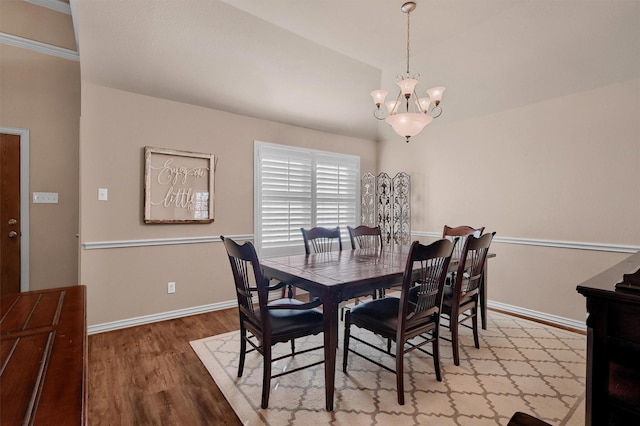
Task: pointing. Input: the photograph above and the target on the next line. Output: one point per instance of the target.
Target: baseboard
(163, 316)
(562, 322)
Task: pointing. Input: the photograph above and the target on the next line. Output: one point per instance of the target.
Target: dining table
(342, 275)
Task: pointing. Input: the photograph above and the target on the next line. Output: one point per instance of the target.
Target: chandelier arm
(417, 101)
(379, 114)
(397, 104)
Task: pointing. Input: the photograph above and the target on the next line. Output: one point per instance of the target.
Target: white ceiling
(313, 63)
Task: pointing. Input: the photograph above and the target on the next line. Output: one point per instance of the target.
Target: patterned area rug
(520, 366)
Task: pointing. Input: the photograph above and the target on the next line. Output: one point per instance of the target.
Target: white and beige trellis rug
(520, 366)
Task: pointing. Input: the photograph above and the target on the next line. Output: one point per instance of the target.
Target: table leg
(330, 317)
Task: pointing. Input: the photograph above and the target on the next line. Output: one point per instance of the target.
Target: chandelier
(408, 114)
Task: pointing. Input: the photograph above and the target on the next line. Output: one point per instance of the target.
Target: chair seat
(286, 321)
(464, 299)
(381, 314)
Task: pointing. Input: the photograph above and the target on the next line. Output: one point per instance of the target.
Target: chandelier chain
(408, 37)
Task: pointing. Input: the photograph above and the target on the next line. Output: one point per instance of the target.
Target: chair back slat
(471, 266)
(461, 232)
(247, 275)
(321, 240)
(243, 285)
(365, 237)
(424, 278)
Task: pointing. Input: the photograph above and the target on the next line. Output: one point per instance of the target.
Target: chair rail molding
(616, 248)
(549, 243)
(57, 5)
(37, 46)
(160, 242)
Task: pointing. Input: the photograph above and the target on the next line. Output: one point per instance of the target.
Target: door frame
(24, 203)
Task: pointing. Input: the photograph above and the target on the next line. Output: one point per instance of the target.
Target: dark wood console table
(43, 353)
(613, 344)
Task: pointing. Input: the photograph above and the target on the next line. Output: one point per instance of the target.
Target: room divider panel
(386, 202)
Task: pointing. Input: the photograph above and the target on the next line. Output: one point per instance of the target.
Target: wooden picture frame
(178, 186)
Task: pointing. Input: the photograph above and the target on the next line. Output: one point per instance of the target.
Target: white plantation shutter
(300, 188)
(337, 187)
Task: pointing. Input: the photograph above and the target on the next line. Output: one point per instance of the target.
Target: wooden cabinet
(43, 353)
(613, 344)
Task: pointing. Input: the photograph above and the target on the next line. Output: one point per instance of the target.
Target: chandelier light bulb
(407, 86)
(392, 106)
(435, 94)
(379, 96)
(423, 104)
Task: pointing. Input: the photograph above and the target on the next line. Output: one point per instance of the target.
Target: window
(300, 188)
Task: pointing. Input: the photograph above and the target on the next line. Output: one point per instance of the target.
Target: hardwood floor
(149, 375)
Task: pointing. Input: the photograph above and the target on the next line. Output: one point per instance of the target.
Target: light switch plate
(103, 194)
(45, 198)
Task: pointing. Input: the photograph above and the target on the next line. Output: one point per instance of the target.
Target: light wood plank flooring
(149, 375)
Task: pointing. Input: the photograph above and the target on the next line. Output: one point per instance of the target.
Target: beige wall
(563, 170)
(116, 126)
(41, 93)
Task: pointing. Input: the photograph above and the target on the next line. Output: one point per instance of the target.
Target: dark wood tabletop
(338, 276)
(43, 357)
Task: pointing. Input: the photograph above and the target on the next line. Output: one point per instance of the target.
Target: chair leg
(293, 346)
(474, 321)
(400, 372)
(347, 333)
(243, 348)
(266, 374)
(454, 325)
(436, 352)
(288, 291)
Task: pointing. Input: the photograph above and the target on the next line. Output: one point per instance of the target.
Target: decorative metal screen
(367, 200)
(386, 202)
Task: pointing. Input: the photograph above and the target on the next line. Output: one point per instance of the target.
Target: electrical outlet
(171, 287)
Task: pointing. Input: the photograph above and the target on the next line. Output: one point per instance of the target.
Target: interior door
(9, 213)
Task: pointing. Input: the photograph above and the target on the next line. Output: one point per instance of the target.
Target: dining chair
(402, 319)
(321, 240)
(365, 237)
(267, 322)
(460, 302)
(523, 419)
(461, 232)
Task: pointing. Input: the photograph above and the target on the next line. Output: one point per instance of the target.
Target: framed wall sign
(178, 186)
